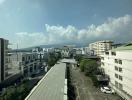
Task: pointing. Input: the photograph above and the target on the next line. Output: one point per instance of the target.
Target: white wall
(109, 67)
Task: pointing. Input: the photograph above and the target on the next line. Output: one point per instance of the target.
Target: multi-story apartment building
(25, 61)
(3, 59)
(117, 64)
(100, 47)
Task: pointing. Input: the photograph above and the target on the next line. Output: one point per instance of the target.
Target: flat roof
(121, 48)
(51, 86)
(69, 61)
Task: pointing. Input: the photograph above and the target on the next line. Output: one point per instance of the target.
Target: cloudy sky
(36, 22)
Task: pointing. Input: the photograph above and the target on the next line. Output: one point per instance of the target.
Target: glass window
(113, 53)
(120, 69)
(23, 59)
(29, 58)
(120, 77)
(116, 68)
(116, 60)
(120, 62)
(116, 75)
(107, 53)
(120, 86)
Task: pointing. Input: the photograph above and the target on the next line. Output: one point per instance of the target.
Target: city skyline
(30, 23)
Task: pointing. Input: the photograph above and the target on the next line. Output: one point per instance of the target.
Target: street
(85, 89)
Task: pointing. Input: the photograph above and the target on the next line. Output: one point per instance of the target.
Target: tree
(91, 67)
(83, 63)
(53, 58)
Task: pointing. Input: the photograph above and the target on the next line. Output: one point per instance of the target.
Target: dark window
(107, 53)
(116, 75)
(120, 62)
(116, 60)
(116, 68)
(23, 58)
(120, 69)
(29, 58)
(120, 77)
(113, 53)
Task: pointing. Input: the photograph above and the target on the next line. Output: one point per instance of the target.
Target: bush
(15, 92)
(95, 81)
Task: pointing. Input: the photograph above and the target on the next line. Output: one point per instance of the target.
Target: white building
(117, 64)
(100, 47)
(65, 53)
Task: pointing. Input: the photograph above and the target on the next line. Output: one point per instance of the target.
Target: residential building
(25, 61)
(100, 47)
(117, 64)
(65, 52)
(3, 59)
(86, 50)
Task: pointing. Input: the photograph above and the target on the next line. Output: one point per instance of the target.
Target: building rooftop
(51, 86)
(69, 61)
(124, 47)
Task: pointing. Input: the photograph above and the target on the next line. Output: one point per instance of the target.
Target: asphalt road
(85, 89)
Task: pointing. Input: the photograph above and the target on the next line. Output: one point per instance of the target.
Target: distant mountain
(49, 46)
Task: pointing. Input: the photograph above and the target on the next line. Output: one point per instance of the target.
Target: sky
(37, 22)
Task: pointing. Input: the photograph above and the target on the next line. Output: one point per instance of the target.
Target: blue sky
(36, 22)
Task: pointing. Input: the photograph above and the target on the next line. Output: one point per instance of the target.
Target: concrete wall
(126, 73)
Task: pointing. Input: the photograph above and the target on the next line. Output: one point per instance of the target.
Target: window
(29, 58)
(116, 83)
(116, 68)
(120, 77)
(116, 75)
(120, 86)
(120, 62)
(102, 58)
(120, 69)
(23, 59)
(116, 60)
(107, 53)
(113, 53)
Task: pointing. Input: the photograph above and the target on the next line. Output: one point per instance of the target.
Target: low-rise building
(117, 64)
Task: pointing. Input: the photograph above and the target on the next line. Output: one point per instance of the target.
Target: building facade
(3, 59)
(100, 47)
(117, 64)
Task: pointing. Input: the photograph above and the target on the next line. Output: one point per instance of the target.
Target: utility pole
(17, 51)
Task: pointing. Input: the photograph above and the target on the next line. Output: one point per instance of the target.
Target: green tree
(91, 67)
(83, 63)
(53, 58)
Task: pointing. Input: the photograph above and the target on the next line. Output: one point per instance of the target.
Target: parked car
(106, 89)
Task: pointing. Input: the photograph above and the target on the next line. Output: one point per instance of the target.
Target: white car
(106, 89)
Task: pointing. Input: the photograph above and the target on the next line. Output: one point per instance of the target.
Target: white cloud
(114, 28)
